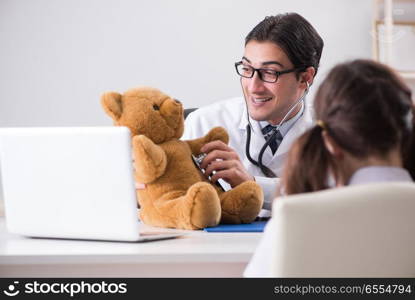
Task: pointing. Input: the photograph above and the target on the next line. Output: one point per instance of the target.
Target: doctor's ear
(307, 76)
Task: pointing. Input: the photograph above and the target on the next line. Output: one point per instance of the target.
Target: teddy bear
(174, 192)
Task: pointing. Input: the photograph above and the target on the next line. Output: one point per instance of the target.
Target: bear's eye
(156, 107)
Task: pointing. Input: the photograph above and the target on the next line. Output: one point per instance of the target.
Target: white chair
(356, 231)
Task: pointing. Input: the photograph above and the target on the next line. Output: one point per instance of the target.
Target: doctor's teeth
(261, 99)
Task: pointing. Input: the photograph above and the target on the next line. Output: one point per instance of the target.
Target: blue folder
(257, 226)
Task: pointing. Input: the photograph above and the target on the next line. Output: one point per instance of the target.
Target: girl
(364, 131)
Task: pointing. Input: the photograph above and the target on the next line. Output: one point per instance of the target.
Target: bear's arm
(216, 133)
(150, 160)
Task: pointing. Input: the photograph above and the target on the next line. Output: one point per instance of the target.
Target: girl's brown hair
(367, 110)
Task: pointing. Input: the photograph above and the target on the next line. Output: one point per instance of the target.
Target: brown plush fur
(176, 194)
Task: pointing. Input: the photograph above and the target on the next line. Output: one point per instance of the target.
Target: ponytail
(409, 154)
(368, 112)
(308, 164)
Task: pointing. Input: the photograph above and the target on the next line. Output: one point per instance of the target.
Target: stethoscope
(267, 171)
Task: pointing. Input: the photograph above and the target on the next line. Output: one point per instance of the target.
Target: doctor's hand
(225, 162)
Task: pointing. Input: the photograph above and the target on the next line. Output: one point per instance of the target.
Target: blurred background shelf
(393, 36)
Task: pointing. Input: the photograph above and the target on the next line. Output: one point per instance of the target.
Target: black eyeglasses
(266, 75)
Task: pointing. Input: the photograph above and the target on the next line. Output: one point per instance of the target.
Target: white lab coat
(231, 114)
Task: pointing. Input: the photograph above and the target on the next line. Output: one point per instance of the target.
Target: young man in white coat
(280, 60)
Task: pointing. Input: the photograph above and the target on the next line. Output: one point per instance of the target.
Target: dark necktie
(267, 131)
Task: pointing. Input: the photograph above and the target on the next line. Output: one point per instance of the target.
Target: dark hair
(367, 110)
(295, 35)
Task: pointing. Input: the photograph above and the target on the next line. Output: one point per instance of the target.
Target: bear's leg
(242, 204)
(198, 208)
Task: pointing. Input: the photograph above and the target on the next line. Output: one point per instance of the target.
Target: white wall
(57, 57)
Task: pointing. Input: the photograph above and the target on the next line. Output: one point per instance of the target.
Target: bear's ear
(111, 102)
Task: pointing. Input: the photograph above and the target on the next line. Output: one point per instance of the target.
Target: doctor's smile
(260, 101)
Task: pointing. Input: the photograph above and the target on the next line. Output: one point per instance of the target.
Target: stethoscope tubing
(264, 169)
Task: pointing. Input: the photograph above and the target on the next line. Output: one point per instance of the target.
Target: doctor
(280, 60)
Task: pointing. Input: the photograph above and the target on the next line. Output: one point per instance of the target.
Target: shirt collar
(286, 126)
(379, 174)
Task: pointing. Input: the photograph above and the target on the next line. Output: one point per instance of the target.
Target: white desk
(198, 254)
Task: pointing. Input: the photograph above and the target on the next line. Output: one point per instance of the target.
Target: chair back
(356, 231)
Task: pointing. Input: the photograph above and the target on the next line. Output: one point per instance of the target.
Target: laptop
(71, 183)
